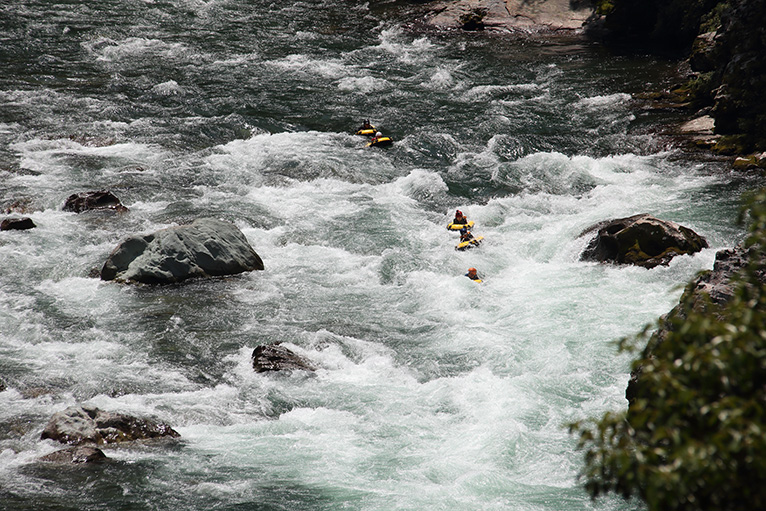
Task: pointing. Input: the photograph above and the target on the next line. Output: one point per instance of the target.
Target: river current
(432, 392)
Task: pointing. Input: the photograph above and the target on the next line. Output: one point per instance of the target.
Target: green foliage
(604, 7)
(712, 20)
(694, 436)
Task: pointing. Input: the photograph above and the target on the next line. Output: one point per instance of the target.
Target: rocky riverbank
(721, 43)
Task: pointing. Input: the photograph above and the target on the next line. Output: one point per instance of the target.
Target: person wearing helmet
(460, 218)
(472, 274)
(376, 137)
(465, 235)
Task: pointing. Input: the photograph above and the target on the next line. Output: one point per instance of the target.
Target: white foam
(169, 88)
(363, 85)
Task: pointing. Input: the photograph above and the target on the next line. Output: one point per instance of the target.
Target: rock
(753, 161)
(80, 425)
(740, 105)
(511, 15)
(99, 200)
(702, 58)
(9, 224)
(21, 206)
(275, 357)
(699, 126)
(205, 248)
(79, 454)
(714, 287)
(641, 240)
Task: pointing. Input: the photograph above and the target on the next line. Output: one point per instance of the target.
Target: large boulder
(511, 15)
(641, 240)
(275, 357)
(99, 200)
(205, 248)
(80, 425)
(17, 224)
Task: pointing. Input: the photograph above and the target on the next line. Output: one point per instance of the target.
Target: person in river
(460, 218)
(365, 128)
(472, 274)
(465, 235)
(377, 137)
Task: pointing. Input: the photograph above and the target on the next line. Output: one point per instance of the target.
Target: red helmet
(458, 213)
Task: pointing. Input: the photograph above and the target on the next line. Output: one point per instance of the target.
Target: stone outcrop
(641, 240)
(528, 16)
(17, 224)
(740, 106)
(84, 425)
(275, 357)
(206, 248)
(98, 200)
(78, 454)
(714, 287)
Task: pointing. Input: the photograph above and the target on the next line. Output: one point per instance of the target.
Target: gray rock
(205, 248)
(79, 454)
(80, 425)
(511, 15)
(641, 240)
(98, 200)
(19, 224)
(275, 357)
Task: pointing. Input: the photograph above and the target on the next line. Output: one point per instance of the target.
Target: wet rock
(641, 240)
(206, 248)
(82, 425)
(275, 357)
(753, 161)
(21, 206)
(79, 454)
(98, 200)
(18, 224)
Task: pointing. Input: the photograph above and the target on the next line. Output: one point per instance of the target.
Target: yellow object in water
(465, 245)
(381, 142)
(456, 227)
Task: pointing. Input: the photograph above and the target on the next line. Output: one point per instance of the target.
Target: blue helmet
(464, 230)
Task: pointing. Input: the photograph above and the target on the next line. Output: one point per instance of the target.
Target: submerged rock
(99, 200)
(641, 240)
(275, 357)
(205, 248)
(17, 224)
(80, 425)
(78, 454)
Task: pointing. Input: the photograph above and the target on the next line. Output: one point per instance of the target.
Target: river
(432, 392)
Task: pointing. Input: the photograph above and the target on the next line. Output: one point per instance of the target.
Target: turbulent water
(432, 392)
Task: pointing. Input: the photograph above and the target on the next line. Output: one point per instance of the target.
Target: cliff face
(739, 75)
(728, 58)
